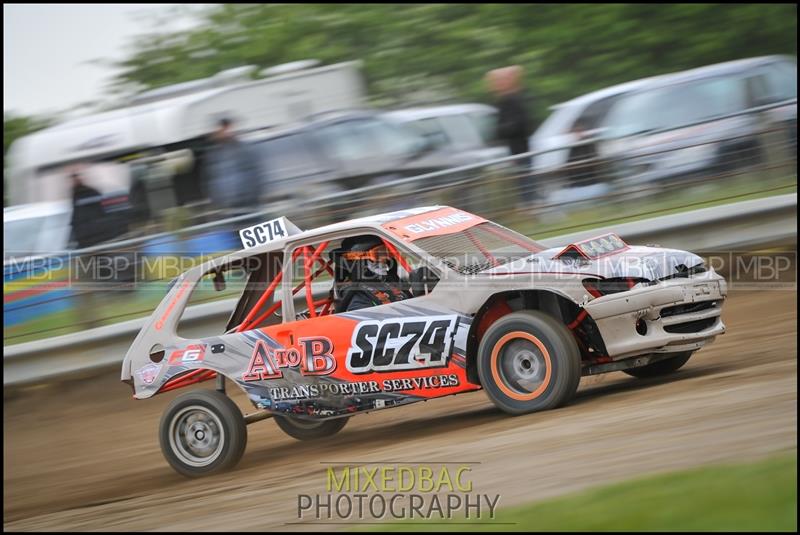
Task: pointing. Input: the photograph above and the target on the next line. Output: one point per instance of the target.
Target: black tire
(221, 433)
(309, 429)
(662, 367)
(526, 379)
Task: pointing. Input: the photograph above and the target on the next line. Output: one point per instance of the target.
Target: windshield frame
(531, 247)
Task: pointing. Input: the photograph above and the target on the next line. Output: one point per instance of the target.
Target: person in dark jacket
(87, 213)
(235, 170)
(513, 121)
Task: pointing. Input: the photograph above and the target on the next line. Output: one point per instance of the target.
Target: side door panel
(367, 359)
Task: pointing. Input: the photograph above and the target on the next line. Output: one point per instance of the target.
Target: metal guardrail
(769, 222)
(742, 226)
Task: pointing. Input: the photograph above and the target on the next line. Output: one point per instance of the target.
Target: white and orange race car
(483, 307)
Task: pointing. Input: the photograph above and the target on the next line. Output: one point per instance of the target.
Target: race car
(476, 306)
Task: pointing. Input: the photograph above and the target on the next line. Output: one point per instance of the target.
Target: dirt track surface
(84, 456)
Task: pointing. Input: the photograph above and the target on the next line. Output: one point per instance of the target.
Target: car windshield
(478, 248)
(486, 124)
(396, 139)
(674, 106)
(286, 157)
(558, 122)
(358, 139)
(462, 131)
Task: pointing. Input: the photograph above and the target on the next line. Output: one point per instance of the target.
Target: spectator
(235, 170)
(87, 213)
(513, 123)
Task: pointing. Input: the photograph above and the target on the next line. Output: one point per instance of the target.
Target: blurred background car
(45, 227)
(648, 131)
(553, 139)
(41, 275)
(36, 228)
(342, 150)
(467, 129)
(703, 122)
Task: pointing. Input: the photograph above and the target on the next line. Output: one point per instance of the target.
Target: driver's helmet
(366, 259)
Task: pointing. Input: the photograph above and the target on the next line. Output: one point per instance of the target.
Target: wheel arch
(553, 303)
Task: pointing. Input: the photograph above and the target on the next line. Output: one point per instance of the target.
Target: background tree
(442, 51)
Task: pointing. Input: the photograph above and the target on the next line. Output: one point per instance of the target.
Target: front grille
(691, 326)
(687, 308)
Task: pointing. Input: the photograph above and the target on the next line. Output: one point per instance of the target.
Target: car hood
(645, 262)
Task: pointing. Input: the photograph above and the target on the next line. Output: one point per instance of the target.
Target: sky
(46, 48)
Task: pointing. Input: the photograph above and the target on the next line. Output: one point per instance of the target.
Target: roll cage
(246, 317)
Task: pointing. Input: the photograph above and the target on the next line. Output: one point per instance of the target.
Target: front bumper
(674, 315)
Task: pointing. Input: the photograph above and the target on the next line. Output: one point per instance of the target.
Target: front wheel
(662, 367)
(309, 429)
(202, 432)
(527, 362)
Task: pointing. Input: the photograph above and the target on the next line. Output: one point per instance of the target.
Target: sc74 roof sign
(269, 231)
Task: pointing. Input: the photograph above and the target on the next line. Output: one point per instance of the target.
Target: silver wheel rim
(522, 366)
(196, 436)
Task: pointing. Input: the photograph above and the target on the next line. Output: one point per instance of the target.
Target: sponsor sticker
(435, 223)
(314, 356)
(188, 355)
(402, 344)
(307, 391)
(148, 373)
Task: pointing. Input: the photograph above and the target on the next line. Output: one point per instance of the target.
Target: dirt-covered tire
(309, 429)
(202, 432)
(527, 361)
(662, 367)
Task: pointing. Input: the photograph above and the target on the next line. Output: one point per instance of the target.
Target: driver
(371, 278)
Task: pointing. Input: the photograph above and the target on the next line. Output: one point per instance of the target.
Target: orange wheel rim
(498, 379)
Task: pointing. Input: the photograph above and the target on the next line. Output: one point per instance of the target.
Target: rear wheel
(662, 367)
(202, 432)
(309, 429)
(527, 362)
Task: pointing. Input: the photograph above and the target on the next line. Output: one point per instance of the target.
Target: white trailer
(163, 119)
